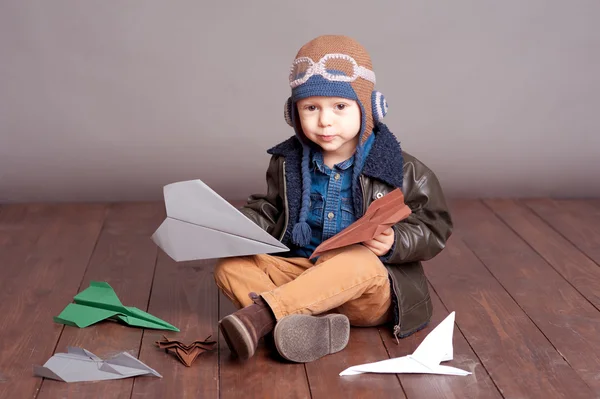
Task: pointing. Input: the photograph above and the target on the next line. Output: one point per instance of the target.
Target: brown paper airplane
(381, 214)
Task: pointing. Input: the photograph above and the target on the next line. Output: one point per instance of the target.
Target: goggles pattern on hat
(333, 67)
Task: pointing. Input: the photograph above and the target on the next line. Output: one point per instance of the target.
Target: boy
(341, 158)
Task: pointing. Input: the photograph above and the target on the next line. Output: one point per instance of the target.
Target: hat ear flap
(287, 111)
(379, 106)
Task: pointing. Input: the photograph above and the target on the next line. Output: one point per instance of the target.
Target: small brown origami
(381, 214)
(187, 354)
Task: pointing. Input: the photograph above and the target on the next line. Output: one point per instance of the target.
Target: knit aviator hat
(333, 66)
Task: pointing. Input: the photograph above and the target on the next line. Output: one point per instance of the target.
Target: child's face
(333, 123)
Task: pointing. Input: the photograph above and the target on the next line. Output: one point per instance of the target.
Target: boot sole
(304, 338)
(237, 337)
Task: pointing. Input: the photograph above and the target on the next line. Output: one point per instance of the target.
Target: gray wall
(111, 100)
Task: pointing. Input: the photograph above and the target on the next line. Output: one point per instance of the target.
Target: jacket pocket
(347, 212)
(316, 208)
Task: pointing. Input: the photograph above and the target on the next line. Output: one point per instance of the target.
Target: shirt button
(337, 176)
(330, 215)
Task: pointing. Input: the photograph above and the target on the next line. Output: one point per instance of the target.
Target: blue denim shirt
(331, 205)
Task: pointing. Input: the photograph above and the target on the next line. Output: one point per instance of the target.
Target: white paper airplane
(435, 348)
(202, 225)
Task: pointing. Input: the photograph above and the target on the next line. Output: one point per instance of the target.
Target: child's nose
(325, 118)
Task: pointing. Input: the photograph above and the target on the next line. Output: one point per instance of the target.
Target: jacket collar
(384, 162)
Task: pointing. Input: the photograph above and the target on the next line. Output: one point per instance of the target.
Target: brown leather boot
(243, 329)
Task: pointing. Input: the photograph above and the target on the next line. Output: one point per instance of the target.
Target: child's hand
(381, 244)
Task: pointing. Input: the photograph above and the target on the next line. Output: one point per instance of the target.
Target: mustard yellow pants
(350, 280)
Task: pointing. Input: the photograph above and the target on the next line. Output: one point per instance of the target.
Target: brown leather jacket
(419, 237)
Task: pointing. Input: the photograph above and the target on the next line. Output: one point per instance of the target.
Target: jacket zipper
(286, 211)
(394, 282)
(361, 179)
(396, 327)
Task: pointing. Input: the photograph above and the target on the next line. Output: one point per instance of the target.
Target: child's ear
(379, 106)
(287, 112)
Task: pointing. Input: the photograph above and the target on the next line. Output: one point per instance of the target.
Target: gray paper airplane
(202, 225)
(81, 365)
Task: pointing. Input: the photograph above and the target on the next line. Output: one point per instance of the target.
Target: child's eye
(340, 107)
(310, 108)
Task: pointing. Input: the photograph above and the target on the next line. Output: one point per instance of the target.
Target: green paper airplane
(99, 302)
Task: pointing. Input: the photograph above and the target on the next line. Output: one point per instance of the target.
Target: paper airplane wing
(437, 345)
(99, 294)
(96, 303)
(80, 365)
(138, 318)
(396, 365)
(356, 233)
(402, 365)
(388, 209)
(128, 366)
(202, 225)
(184, 241)
(83, 316)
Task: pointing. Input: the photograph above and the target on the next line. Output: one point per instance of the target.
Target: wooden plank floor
(523, 277)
